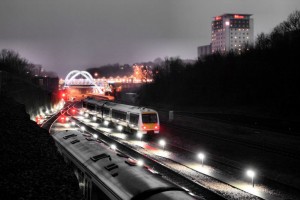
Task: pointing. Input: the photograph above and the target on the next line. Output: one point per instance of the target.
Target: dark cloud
(66, 34)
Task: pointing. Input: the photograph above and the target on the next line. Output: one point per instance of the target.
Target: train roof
(125, 181)
(117, 106)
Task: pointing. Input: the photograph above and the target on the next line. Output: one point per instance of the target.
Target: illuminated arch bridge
(81, 78)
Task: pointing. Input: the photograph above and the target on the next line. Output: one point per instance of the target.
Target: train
(132, 119)
(106, 173)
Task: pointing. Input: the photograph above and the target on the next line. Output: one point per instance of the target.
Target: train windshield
(149, 118)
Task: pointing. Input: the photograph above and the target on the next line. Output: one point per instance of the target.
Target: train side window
(106, 111)
(90, 106)
(134, 119)
(118, 115)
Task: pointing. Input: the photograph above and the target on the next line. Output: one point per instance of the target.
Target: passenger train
(131, 118)
(104, 173)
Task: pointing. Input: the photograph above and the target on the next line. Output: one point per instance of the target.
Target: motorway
(214, 179)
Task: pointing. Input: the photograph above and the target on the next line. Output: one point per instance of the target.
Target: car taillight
(144, 127)
(156, 127)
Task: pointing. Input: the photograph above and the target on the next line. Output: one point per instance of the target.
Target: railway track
(190, 179)
(268, 148)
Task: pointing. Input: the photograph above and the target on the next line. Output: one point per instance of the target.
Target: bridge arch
(75, 73)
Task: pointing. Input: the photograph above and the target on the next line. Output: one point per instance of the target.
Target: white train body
(104, 174)
(131, 118)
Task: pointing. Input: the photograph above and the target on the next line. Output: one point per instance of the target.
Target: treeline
(12, 62)
(265, 76)
(16, 74)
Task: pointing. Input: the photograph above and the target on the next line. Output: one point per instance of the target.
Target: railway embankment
(275, 154)
(30, 166)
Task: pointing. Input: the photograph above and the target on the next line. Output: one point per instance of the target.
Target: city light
(73, 123)
(94, 118)
(86, 115)
(82, 128)
(81, 112)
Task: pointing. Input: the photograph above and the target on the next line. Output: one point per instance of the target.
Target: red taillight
(156, 127)
(63, 94)
(144, 127)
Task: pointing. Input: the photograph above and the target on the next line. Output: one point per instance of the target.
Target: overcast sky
(63, 35)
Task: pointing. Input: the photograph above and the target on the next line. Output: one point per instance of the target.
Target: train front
(150, 123)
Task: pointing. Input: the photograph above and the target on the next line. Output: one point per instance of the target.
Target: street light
(113, 147)
(140, 163)
(94, 118)
(95, 136)
(251, 174)
(82, 128)
(120, 128)
(162, 143)
(201, 156)
(139, 135)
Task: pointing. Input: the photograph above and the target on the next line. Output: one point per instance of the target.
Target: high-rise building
(204, 51)
(231, 32)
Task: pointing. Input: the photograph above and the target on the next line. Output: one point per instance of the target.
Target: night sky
(63, 35)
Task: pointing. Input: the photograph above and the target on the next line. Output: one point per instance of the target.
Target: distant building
(204, 51)
(231, 32)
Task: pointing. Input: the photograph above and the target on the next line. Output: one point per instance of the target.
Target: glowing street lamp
(94, 118)
(162, 143)
(201, 156)
(82, 128)
(251, 174)
(113, 147)
(139, 135)
(95, 136)
(140, 163)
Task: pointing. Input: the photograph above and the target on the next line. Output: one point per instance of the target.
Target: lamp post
(113, 147)
(139, 135)
(251, 174)
(95, 136)
(201, 156)
(162, 143)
